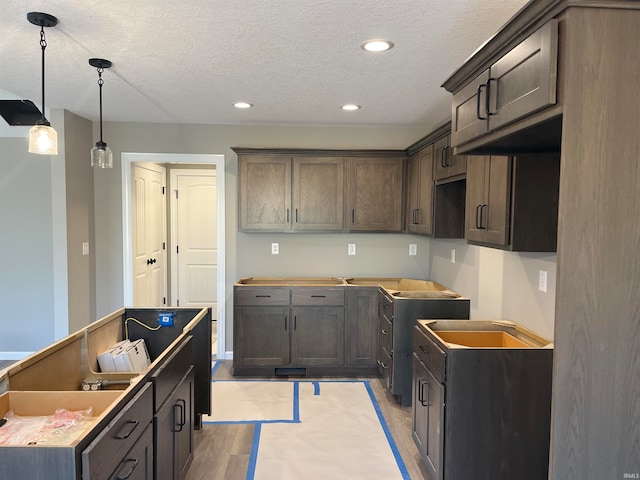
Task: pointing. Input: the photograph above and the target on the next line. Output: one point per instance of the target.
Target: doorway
(128, 160)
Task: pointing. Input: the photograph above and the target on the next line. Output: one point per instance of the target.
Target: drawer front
(429, 354)
(171, 372)
(101, 458)
(138, 462)
(262, 296)
(386, 334)
(317, 296)
(385, 307)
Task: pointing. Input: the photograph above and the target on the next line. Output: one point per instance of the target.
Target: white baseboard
(14, 355)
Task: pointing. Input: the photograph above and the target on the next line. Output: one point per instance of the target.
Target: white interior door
(194, 238)
(149, 235)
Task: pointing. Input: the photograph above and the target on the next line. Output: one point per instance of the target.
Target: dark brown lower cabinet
(481, 413)
(362, 325)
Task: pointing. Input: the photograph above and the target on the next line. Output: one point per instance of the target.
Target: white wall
(501, 285)
(26, 254)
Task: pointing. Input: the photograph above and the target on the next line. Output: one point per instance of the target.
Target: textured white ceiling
(297, 61)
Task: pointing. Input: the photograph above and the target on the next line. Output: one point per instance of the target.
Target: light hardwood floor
(222, 451)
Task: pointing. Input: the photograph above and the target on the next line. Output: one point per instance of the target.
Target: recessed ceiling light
(376, 45)
(350, 107)
(243, 105)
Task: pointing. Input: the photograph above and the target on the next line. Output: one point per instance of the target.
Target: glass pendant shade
(101, 156)
(43, 140)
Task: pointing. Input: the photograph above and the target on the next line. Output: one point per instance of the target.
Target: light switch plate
(275, 248)
(352, 249)
(453, 255)
(85, 248)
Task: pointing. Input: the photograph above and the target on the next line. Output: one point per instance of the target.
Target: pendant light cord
(100, 82)
(43, 45)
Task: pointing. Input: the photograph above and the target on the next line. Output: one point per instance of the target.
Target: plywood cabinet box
(142, 424)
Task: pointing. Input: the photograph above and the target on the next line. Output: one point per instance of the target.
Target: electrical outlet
(413, 249)
(165, 319)
(275, 248)
(542, 281)
(85, 248)
(453, 255)
(352, 249)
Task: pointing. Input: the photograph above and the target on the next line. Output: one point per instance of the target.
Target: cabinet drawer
(429, 354)
(317, 296)
(109, 448)
(138, 462)
(262, 296)
(386, 334)
(171, 372)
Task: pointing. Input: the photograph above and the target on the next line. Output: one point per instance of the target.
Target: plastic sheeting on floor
(310, 429)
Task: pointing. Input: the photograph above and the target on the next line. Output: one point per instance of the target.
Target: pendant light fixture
(43, 139)
(101, 155)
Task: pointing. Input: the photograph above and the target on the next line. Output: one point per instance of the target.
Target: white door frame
(218, 160)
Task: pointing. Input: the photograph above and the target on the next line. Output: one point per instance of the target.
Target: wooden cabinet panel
(488, 199)
(420, 192)
(261, 336)
(375, 194)
(318, 193)
(362, 326)
(468, 111)
(264, 187)
(495, 212)
(524, 80)
(173, 424)
(317, 296)
(318, 336)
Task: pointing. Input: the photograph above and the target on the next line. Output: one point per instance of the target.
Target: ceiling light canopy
(351, 107)
(43, 139)
(243, 105)
(101, 154)
(376, 45)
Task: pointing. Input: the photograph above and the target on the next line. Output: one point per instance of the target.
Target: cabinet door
(264, 187)
(261, 336)
(413, 185)
(424, 215)
(375, 194)
(318, 193)
(428, 418)
(477, 184)
(173, 425)
(446, 163)
(524, 80)
(362, 328)
(317, 337)
(495, 217)
(469, 111)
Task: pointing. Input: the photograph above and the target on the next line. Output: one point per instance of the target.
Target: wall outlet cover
(275, 248)
(413, 249)
(352, 249)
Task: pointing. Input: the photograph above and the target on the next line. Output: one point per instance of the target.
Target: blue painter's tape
(387, 432)
(215, 367)
(316, 388)
(296, 402)
(253, 457)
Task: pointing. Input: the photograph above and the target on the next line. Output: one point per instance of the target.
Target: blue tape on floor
(215, 367)
(296, 402)
(253, 457)
(387, 432)
(316, 388)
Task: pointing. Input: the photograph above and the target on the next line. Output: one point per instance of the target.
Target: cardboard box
(132, 357)
(105, 359)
